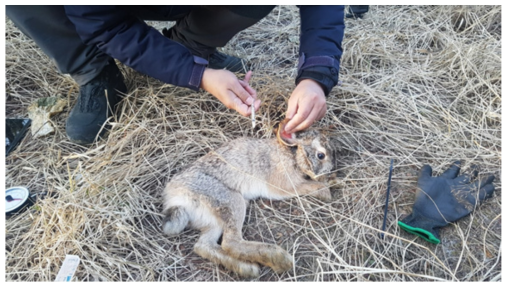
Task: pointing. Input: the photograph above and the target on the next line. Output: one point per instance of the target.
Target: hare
(211, 194)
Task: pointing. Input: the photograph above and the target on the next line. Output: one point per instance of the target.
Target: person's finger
(248, 77)
(305, 124)
(242, 94)
(322, 112)
(304, 118)
(236, 104)
(257, 104)
(453, 171)
(246, 84)
(292, 107)
(248, 88)
(297, 117)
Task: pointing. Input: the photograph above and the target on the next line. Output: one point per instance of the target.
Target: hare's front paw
(282, 261)
(334, 181)
(247, 270)
(323, 194)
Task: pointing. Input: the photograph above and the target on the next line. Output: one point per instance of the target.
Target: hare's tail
(175, 221)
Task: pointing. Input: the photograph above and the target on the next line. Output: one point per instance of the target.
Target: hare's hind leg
(267, 254)
(174, 208)
(208, 248)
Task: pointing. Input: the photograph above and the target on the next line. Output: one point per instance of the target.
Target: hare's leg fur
(270, 255)
(183, 207)
(175, 221)
(208, 248)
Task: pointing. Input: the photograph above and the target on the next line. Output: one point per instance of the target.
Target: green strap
(420, 232)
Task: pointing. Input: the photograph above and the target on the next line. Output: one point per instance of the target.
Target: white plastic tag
(66, 272)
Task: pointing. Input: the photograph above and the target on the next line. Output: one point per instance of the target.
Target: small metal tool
(387, 198)
(253, 115)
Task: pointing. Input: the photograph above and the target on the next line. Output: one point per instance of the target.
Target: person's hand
(307, 104)
(233, 93)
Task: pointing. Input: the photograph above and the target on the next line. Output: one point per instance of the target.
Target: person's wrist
(204, 75)
(324, 82)
(311, 82)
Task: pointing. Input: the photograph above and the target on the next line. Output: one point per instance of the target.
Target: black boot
(216, 60)
(357, 11)
(95, 104)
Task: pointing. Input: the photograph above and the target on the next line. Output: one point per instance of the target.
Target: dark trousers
(200, 28)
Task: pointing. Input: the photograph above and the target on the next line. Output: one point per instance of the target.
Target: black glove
(444, 199)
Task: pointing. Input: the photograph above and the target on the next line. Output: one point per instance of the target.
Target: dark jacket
(120, 34)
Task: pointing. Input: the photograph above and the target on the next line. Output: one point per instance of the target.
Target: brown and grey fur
(211, 195)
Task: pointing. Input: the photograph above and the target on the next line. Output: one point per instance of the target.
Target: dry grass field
(419, 84)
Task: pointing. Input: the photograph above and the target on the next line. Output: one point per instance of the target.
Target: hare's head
(313, 151)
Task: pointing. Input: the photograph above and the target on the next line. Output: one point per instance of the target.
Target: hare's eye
(321, 155)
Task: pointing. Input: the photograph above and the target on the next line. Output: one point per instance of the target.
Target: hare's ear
(283, 137)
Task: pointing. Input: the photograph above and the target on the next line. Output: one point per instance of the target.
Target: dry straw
(420, 84)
